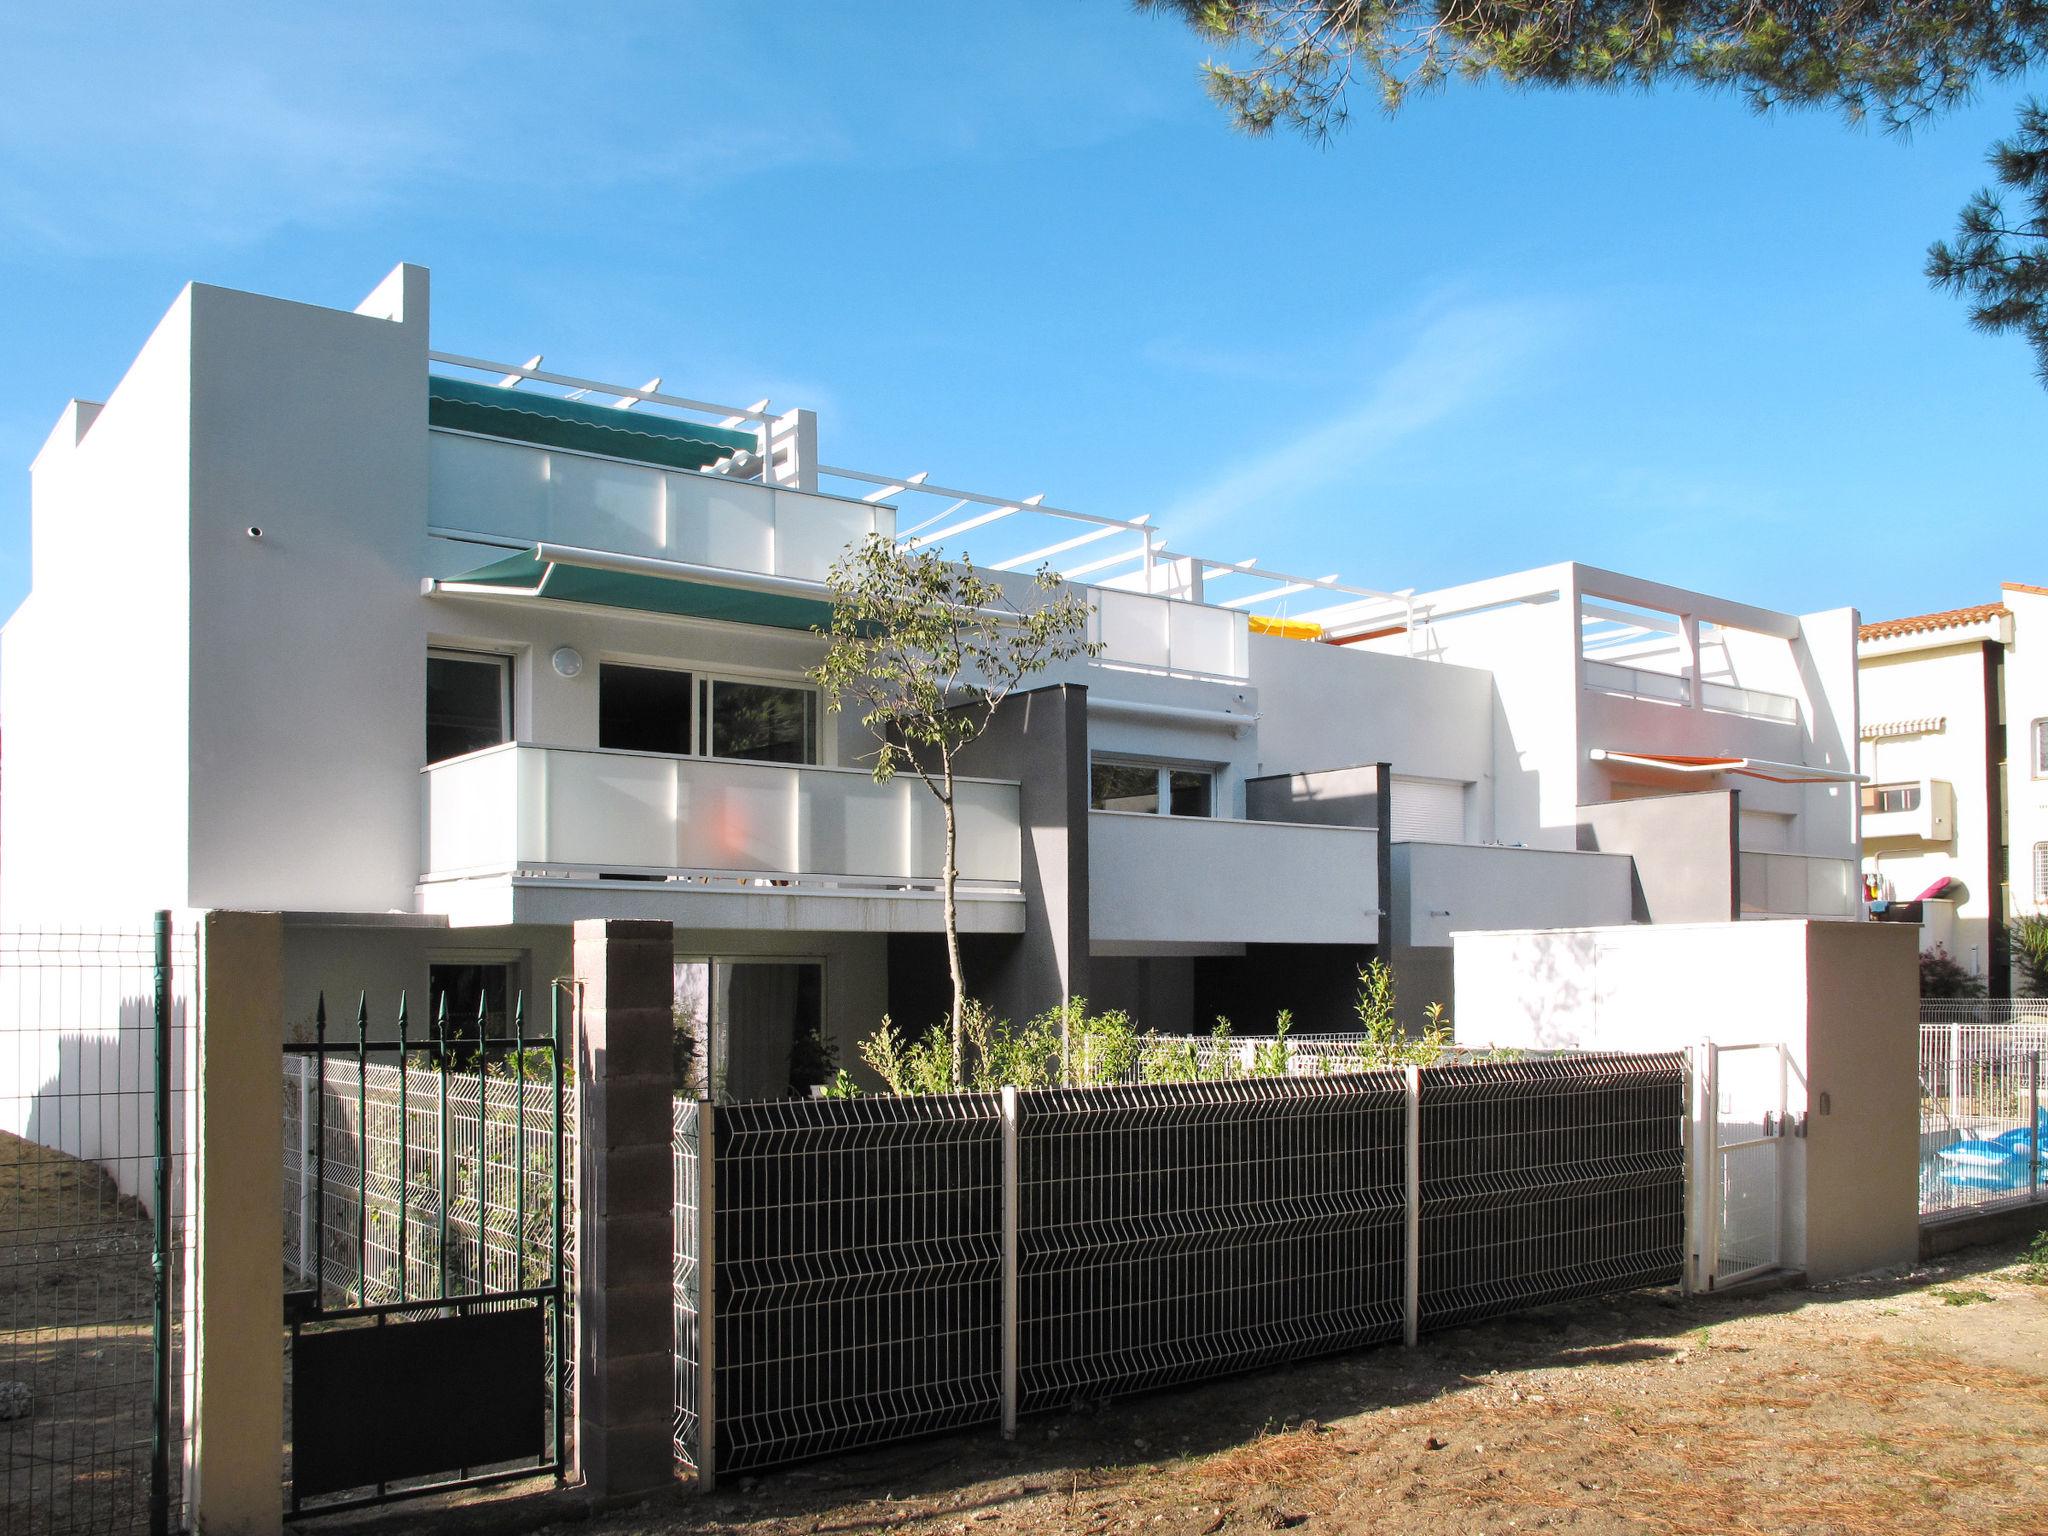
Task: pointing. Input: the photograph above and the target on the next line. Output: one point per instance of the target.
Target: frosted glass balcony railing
(1167, 634)
(1753, 702)
(545, 495)
(1668, 687)
(1636, 682)
(519, 807)
(1798, 885)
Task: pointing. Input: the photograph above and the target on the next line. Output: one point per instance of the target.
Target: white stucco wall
(1944, 682)
(2026, 702)
(94, 674)
(1445, 888)
(1842, 998)
(1327, 706)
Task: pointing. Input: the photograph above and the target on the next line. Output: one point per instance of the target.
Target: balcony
(1166, 634)
(1446, 888)
(1676, 688)
(1157, 881)
(553, 496)
(650, 824)
(1920, 810)
(1798, 885)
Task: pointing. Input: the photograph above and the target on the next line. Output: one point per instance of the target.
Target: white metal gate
(1741, 1169)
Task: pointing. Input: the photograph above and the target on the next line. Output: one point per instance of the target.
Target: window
(1151, 787)
(1881, 799)
(2041, 872)
(2041, 749)
(762, 722)
(749, 1029)
(1123, 787)
(464, 987)
(643, 709)
(660, 709)
(469, 703)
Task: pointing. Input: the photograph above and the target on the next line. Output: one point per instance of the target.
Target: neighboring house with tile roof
(1954, 743)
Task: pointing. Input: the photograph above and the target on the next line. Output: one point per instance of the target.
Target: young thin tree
(926, 650)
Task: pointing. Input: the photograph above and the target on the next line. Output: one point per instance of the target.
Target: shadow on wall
(1554, 999)
(91, 1094)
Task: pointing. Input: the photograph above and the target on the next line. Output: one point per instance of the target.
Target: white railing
(1197, 879)
(547, 495)
(1636, 682)
(1127, 554)
(522, 808)
(1798, 885)
(1166, 634)
(1981, 1118)
(1755, 703)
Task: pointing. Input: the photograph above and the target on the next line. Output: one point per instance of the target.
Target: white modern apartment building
(438, 655)
(1955, 749)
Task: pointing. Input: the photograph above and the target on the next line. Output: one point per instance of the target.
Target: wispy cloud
(149, 131)
(1456, 360)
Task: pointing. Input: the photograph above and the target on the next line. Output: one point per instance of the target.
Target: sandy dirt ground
(75, 1307)
(1907, 1403)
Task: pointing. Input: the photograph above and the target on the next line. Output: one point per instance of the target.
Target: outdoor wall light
(568, 661)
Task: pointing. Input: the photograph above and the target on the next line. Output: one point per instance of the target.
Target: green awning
(548, 421)
(552, 573)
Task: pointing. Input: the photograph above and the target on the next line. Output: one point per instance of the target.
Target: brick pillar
(625, 1215)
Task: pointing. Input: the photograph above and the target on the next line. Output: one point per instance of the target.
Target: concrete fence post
(2034, 1125)
(1411, 1243)
(1013, 1112)
(236, 1287)
(707, 1295)
(625, 1207)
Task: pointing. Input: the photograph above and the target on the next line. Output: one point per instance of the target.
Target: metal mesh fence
(1172, 1233)
(1543, 1180)
(1985, 1010)
(1981, 1114)
(1158, 1059)
(79, 1345)
(858, 1273)
(1165, 1233)
(687, 1273)
(370, 1168)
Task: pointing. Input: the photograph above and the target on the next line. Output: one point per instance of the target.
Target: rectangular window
(1151, 788)
(462, 989)
(760, 722)
(1188, 792)
(749, 1029)
(2041, 749)
(1881, 799)
(2041, 872)
(469, 703)
(643, 709)
(1123, 787)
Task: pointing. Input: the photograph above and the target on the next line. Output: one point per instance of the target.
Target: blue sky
(1013, 244)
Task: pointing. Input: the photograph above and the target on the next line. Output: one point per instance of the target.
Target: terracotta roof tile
(1921, 623)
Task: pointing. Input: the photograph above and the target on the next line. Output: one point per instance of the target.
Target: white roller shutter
(1428, 810)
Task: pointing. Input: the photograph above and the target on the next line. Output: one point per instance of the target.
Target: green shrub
(1387, 1044)
(2028, 937)
(1269, 1057)
(910, 1066)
